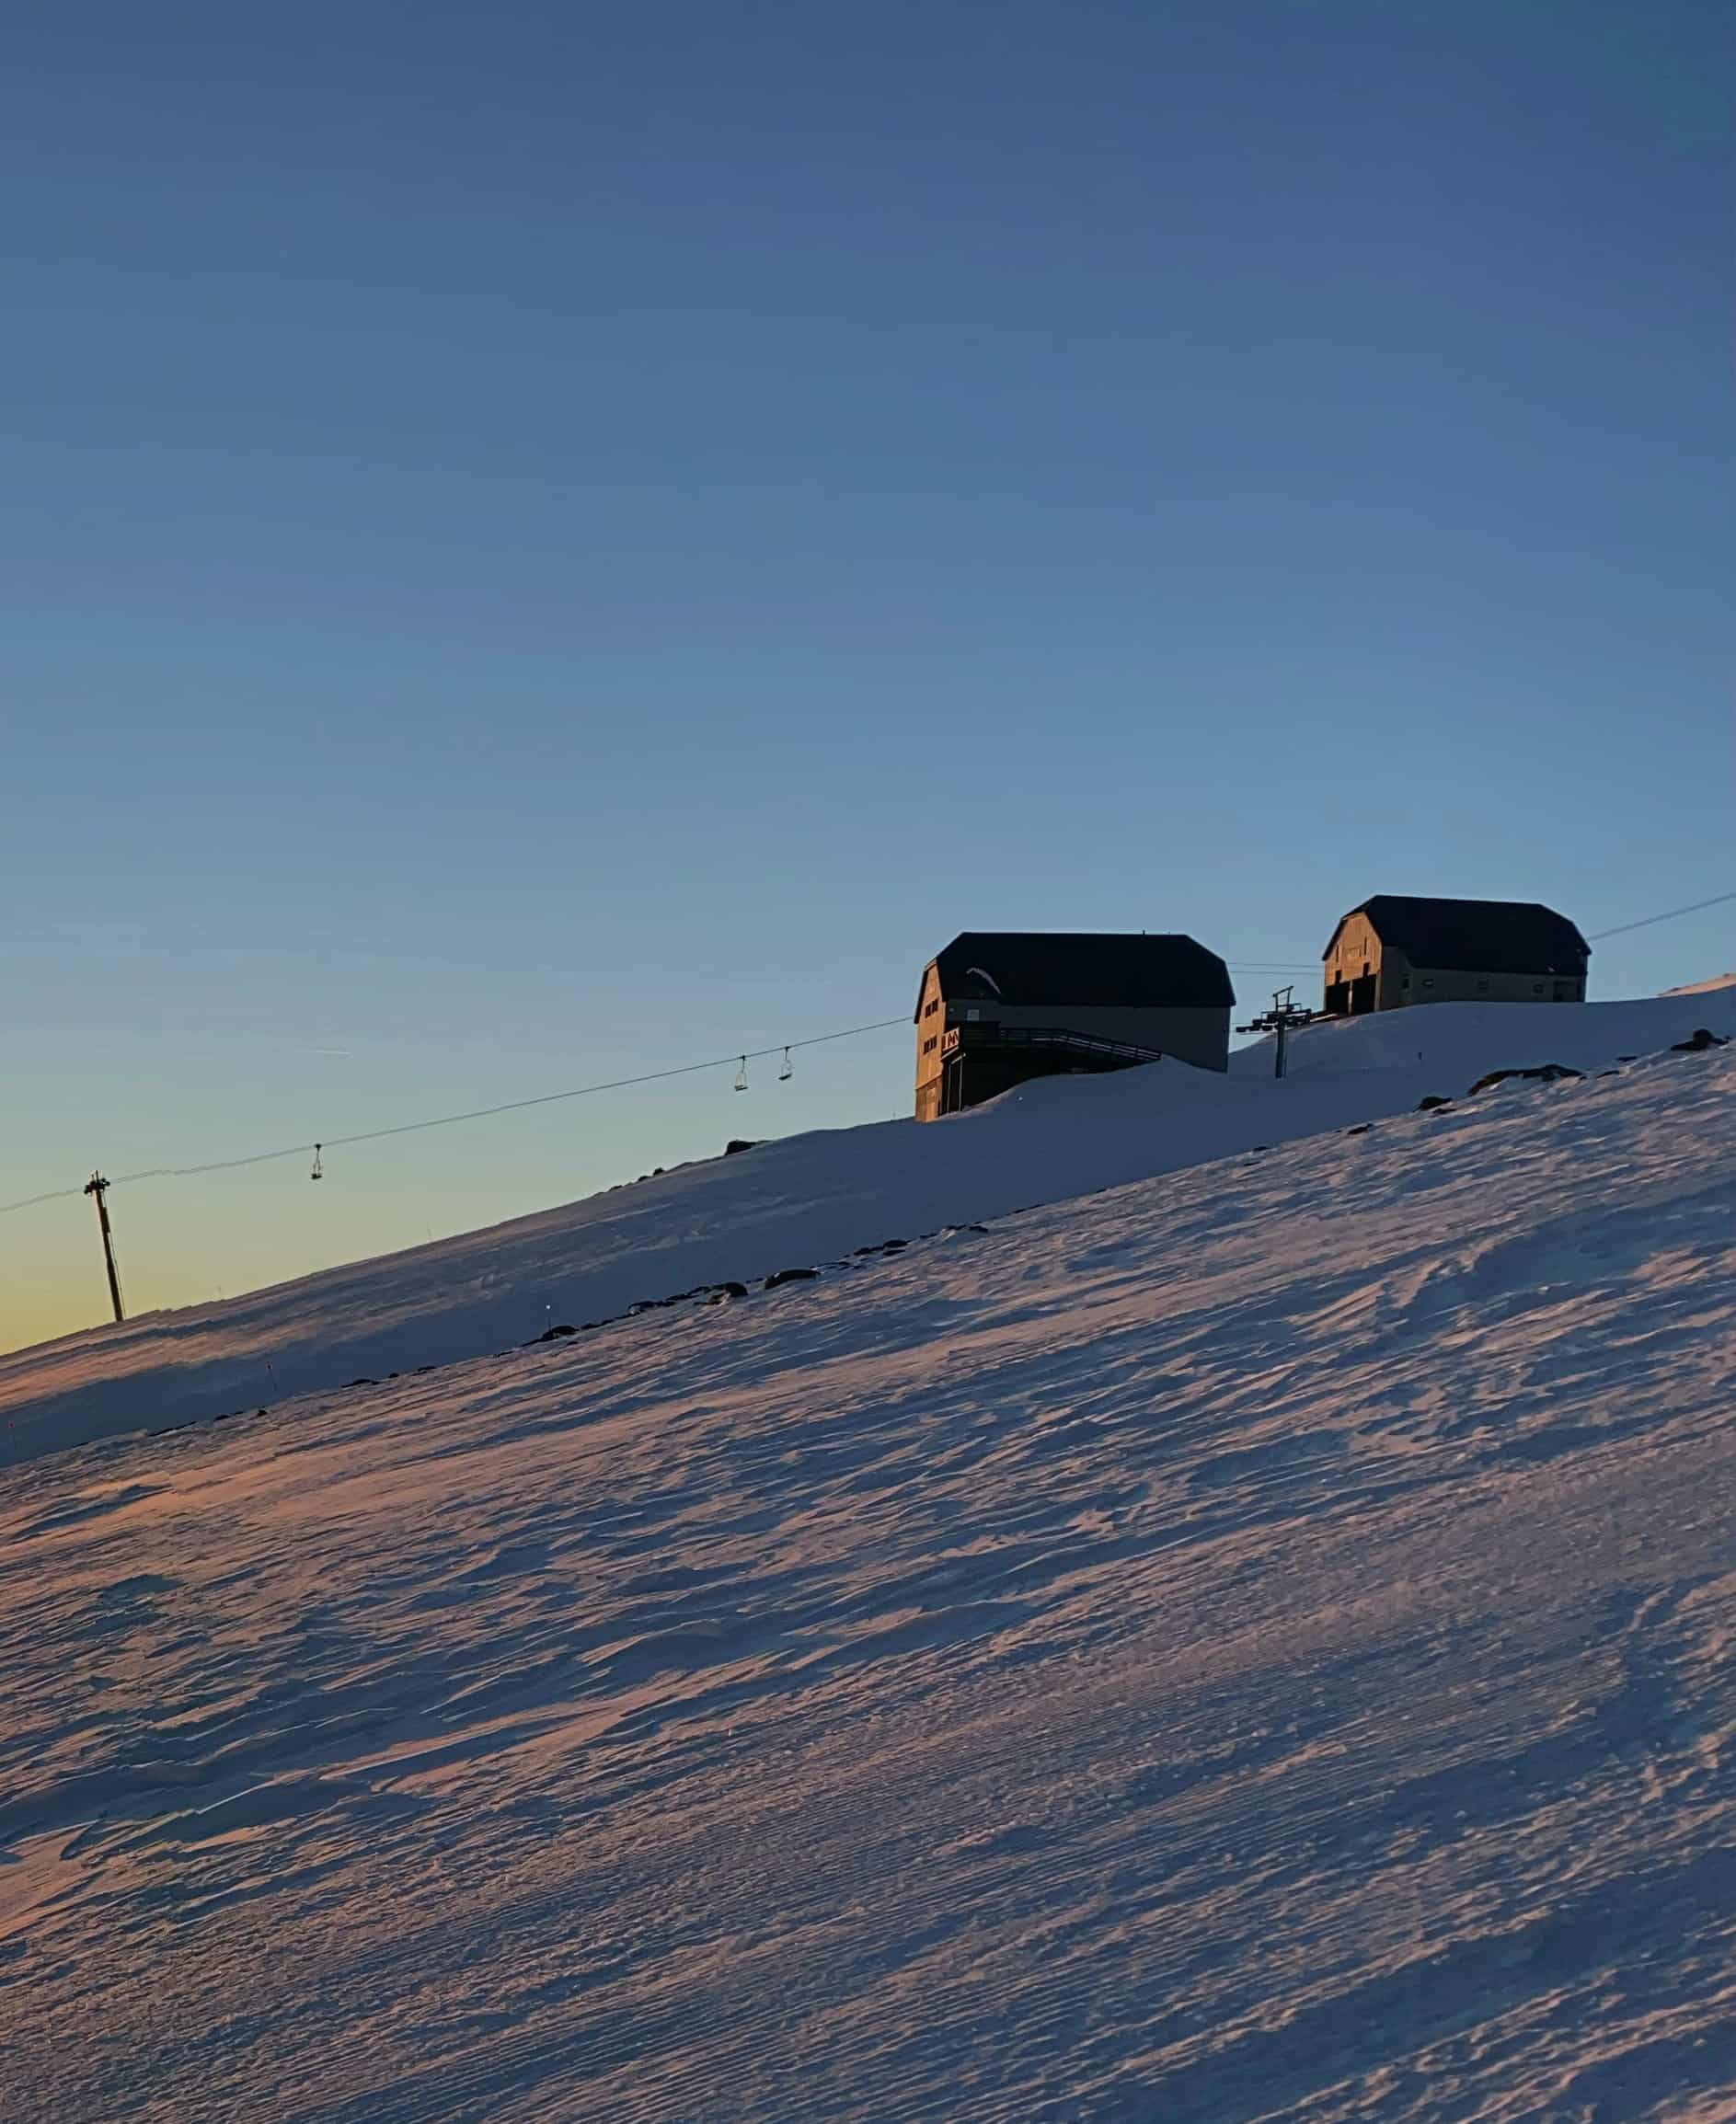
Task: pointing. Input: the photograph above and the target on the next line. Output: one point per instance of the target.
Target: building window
(1537, 988)
(1427, 981)
(1482, 985)
(932, 1005)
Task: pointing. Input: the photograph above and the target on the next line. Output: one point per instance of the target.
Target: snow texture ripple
(1252, 1643)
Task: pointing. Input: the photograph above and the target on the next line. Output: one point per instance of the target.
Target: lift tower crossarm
(1281, 1019)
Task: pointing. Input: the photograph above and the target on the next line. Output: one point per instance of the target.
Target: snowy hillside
(793, 1203)
(1252, 1645)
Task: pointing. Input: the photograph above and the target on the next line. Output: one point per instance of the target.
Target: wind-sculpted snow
(1250, 1645)
(792, 1203)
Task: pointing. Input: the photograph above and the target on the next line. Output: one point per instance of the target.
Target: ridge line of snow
(788, 1202)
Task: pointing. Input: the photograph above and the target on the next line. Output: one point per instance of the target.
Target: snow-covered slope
(790, 1203)
(1253, 1645)
(1704, 987)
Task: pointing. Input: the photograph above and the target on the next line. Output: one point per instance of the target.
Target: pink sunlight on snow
(1252, 1641)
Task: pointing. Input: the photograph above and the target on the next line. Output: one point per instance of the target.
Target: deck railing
(1058, 1038)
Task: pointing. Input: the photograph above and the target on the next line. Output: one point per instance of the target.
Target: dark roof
(1475, 935)
(1034, 967)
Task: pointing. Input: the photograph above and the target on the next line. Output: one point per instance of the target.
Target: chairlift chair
(317, 1173)
(740, 1075)
(787, 1071)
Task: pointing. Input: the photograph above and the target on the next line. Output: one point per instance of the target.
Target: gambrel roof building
(1395, 950)
(999, 1007)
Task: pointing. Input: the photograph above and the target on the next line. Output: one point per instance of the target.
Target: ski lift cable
(1593, 936)
(1646, 921)
(661, 1076)
(453, 1120)
(506, 1107)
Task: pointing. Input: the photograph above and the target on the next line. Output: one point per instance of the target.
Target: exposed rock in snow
(1548, 1074)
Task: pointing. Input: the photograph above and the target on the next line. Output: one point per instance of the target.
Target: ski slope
(792, 1203)
(1252, 1643)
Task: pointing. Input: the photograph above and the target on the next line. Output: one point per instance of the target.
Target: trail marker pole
(1280, 1018)
(99, 1187)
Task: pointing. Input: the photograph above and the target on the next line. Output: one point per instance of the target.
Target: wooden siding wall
(930, 1026)
(1355, 947)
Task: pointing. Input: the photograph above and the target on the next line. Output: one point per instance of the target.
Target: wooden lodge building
(1393, 950)
(999, 1007)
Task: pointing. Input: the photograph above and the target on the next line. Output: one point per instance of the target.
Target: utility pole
(99, 1187)
(1280, 1018)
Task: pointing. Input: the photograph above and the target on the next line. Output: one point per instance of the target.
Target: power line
(1621, 929)
(1596, 936)
(29, 1201)
(662, 1076)
(452, 1120)
(505, 1106)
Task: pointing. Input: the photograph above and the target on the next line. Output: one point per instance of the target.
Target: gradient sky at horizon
(543, 543)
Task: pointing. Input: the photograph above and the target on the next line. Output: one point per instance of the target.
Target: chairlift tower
(99, 1187)
(1282, 1015)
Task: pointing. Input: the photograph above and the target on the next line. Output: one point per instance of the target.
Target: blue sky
(544, 541)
